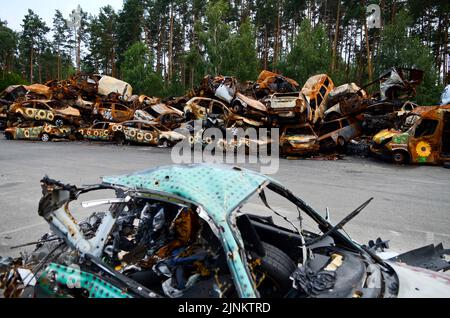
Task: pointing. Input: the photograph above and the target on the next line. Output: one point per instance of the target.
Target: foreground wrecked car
(185, 231)
(425, 137)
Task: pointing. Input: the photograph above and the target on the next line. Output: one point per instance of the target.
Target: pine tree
(32, 40)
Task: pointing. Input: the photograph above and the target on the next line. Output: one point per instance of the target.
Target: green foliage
(129, 26)
(310, 55)
(8, 40)
(184, 40)
(32, 39)
(137, 70)
(215, 35)
(103, 42)
(401, 49)
(239, 56)
(8, 79)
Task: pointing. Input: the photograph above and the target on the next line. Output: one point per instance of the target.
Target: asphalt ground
(411, 205)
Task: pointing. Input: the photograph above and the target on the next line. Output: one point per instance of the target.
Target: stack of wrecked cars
(86, 107)
(188, 232)
(313, 119)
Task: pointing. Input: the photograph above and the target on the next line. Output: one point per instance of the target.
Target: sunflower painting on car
(144, 132)
(99, 131)
(37, 131)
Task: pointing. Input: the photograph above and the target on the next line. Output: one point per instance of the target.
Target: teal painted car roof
(218, 189)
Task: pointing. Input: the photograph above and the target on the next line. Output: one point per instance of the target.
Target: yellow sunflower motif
(423, 149)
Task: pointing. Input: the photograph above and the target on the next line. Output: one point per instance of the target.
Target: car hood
(301, 139)
(416, 282)
(173, 135)
(69, 111)
(385, 134)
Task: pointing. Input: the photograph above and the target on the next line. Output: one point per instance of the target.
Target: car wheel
(399, 157)
(45, 137)
(237, 108)
(59, 122)
(274, 272)
(9, 136)
(341, 141)
(164, 143)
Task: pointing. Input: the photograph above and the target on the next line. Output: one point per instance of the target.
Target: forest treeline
(165, 47)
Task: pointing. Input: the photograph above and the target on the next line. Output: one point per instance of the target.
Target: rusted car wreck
(426, 139)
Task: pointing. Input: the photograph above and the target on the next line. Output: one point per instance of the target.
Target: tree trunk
(445, 52)
(59, 64)
(369, 56)
(159, 47)
(31, 65)
(266, 48)
(79, 53)
(277, 50)
(39, 70)
(170, 53)
(336, 37)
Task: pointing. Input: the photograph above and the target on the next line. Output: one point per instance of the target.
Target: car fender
(416, 282)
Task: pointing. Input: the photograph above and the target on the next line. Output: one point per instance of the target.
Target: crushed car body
(185, 232)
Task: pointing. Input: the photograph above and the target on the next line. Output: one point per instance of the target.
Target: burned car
(298, 140)
(286, 108)
(315, 93)
(144, 132)
(215, 113)
(188, 232)
(3, 116)
(445, 98)
(339, 132)
(44, 110)
(110, 111)
(425, 137)
(400, 83)
(347, 99)
(167, 116)
(42, 131)
(270, 83)
(101, 131)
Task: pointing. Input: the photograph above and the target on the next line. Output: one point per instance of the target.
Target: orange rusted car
(426, 138)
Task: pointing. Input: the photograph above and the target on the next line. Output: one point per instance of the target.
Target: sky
(13, 11)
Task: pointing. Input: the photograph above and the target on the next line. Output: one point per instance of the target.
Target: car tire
(277, 266)
(59, 122)
(164, 143)
(399, 157)
(45, 137)
(9, 136)
(238, 108)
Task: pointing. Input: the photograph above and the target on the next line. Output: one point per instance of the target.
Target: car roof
(211, 186)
